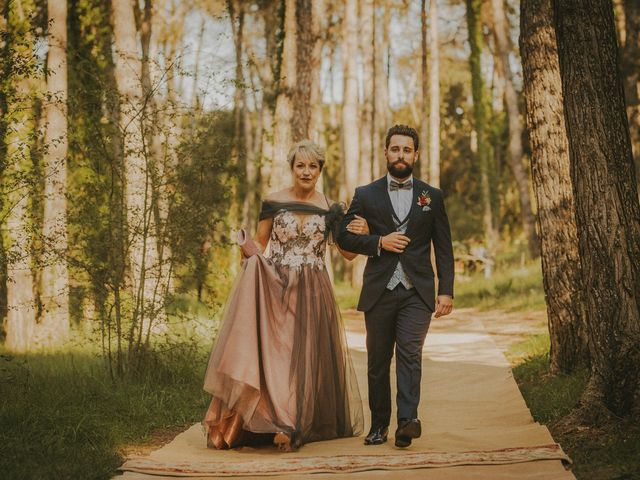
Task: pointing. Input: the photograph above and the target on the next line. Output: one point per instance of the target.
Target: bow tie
(393, 185)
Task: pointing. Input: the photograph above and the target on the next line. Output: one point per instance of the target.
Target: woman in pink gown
(280, 370)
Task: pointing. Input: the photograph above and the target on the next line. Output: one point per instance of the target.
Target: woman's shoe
(286, 442)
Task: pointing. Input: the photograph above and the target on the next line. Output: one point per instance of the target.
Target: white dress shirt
(401, 202)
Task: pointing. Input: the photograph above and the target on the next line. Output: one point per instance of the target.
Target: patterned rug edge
(345, 463)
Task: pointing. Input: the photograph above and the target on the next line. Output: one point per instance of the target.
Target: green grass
(63, 417)
(346, 296)
(607, 452)
(549, 397)
(510, 289)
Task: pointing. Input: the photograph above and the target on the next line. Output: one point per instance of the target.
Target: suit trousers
(399, 319)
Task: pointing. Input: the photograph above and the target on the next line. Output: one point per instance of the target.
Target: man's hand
(395, 242)
(444, 305)
(358, 226)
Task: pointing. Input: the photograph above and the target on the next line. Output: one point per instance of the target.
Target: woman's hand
(358, 226)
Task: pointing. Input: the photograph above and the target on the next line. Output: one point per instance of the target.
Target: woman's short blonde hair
(306, 148)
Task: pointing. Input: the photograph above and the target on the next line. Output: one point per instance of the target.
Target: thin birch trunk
(382, 109)
(434, 87)
(423, 125)
(280, 172)
(54, 322)
(20, 324)
(143, 251)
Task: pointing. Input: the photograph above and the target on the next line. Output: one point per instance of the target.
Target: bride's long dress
(281, 363)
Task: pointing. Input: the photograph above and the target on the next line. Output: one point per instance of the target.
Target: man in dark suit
(404, 216)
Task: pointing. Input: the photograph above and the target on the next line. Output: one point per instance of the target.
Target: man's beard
(399, 169)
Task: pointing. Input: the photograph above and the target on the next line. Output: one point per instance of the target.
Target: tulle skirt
(280, 363)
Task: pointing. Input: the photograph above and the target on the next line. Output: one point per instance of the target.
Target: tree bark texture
(607, 208)
(306, 66)
(561, 272)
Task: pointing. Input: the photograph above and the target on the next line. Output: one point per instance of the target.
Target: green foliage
(62, 416)
(346, 295)
(198, 228)
(195, 172)
(511, 289)
(459, 172)
(549, 397)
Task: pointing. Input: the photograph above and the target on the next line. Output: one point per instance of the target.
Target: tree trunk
(306, 66)
(367, 20)
(20, 323)
(273, 27)
(54, 324)
(160, 132)
(5, 68)
(501, 29)
(607, 208)
(143, 249)
(280, 172)
(434, 87)
(319, 27)
(350, 120)
(382, 117)
(421, 167)
(195, 98)
(561, 273)
(480, 120)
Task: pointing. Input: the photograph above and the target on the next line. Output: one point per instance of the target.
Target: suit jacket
(372, 202)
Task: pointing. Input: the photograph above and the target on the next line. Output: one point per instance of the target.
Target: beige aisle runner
(476, 425)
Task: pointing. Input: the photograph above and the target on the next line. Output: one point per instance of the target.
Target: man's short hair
(405, 130)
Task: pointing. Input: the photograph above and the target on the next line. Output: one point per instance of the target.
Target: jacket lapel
(415, 211)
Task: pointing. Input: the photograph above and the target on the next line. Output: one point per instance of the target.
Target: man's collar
(390, 177)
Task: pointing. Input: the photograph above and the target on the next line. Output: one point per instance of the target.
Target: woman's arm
(263, 232)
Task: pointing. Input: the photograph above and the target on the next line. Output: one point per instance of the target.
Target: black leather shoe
(377, 436)
(408, 429)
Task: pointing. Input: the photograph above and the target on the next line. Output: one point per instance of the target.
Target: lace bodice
(298, 240)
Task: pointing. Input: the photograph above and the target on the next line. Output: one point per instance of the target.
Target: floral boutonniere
(424, 200)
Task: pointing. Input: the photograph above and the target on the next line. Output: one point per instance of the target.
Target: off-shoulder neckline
(307, 204)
